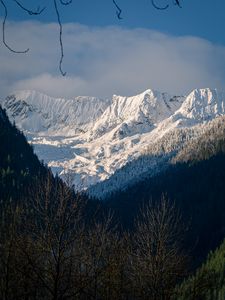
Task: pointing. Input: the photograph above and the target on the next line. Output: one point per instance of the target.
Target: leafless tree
(105, 261)
(50, 237)
(13, 283)
(7, 248)
(48, 252)
(157, 259)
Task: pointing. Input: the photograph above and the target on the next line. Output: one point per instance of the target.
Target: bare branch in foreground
(4, 30)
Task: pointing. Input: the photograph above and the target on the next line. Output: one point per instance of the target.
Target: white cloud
(103, 61)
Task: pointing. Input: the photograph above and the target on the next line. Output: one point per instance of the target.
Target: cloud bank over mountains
(104, 61)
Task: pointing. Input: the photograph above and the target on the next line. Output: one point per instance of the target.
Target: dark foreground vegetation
(196, 183)
(55, 244)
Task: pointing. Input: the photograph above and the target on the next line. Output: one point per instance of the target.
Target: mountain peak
(203, 104)
(205, 93)
(37, 112)
(128, 116)
(94, 137)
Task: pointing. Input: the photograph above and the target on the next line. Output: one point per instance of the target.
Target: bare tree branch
(4, 30)
(66, 2)
(119, 10)
(177, 2)
(30, 12)
(39, 10)
(60, 36)
(158, 7)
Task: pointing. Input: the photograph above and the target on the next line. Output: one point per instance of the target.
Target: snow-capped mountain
(203, 104)
(127, 116)
(37, 113)
(93, 138)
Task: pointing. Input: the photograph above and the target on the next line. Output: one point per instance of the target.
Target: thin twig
(30, 12)
(119, 10)
(66, 2)
(177, 2)
(158, 7)
(60, 37)
(3, 30)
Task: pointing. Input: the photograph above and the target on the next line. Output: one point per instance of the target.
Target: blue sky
(202, 18)
(175, 50)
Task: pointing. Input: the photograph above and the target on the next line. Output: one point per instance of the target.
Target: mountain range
(108, 144)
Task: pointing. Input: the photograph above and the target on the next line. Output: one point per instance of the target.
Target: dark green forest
(208, 281)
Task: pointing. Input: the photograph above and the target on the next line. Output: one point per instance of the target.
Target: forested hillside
(208, 283)
(209, 143)
(19, 166)
(196, 185)
(179, 145)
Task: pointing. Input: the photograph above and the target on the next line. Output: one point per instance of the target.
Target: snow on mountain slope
(199, 107)
(38, 113)
(127, 116)
(92, 138)
(170, 147)
(203, 105)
